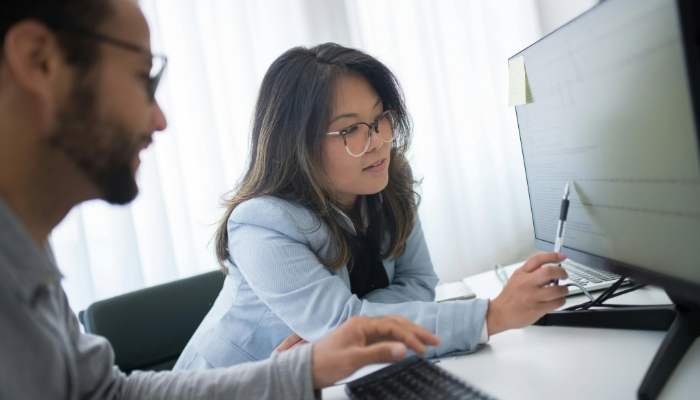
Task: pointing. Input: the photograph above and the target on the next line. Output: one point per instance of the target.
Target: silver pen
(562, 224)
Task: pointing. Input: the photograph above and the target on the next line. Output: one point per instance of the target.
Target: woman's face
(355, 100)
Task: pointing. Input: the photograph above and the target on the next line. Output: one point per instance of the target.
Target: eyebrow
(379, 100)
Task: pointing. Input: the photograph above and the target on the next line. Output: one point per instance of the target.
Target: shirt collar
(346, 222)
(23, 263)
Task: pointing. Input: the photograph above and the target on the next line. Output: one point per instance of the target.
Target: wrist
(315, 381)
(494, 319)
(323, 370)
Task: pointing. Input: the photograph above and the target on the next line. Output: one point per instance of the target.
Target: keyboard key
(412, 378)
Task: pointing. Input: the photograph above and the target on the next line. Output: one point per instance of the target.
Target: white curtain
(449, 55)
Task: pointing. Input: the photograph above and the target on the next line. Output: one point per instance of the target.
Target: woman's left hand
(290, 342)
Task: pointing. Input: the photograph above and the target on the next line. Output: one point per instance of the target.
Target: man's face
(108, 117)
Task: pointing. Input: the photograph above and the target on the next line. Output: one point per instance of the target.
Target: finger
(385, 330)
(288, 342)
(548, 294)
(427, 337)
(299, 343)
(545, 275)
(538, 260)
(552, 305)
(378, 353)
(423, 334)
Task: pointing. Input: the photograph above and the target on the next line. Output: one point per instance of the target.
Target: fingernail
(561, 256)
(398, 351)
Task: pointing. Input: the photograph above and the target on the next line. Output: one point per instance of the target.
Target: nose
(375, 142)
(158, 121)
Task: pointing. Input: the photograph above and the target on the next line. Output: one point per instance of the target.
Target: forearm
(284, 375)
(403, 290)
(458, 324)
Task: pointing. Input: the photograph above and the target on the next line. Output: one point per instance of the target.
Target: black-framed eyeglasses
(158, 62)
(357, 140)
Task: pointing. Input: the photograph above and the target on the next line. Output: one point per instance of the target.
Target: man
(76, 108)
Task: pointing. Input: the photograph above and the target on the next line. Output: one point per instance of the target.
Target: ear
(36, 65)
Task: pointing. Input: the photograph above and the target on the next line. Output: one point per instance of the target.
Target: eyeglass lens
(358, 136)
(157, 69)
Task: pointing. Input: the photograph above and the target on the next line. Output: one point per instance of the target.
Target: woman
(324, 224)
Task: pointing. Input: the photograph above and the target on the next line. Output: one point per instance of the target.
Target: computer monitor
(614, 108)
(612, 112)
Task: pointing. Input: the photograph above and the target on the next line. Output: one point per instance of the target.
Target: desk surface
(574, 363)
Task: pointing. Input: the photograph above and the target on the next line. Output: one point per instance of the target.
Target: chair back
(149, 328)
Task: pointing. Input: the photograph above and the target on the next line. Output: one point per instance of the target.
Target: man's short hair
(87, 14)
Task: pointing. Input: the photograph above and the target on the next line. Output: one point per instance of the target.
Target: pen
(562, 224)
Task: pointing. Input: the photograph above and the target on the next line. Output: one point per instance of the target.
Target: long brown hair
(290, 118)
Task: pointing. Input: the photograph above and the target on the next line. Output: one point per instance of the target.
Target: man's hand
(291, 342)
(362, 341)
(527, 296)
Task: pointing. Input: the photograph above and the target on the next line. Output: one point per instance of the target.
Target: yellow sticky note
(519, 88)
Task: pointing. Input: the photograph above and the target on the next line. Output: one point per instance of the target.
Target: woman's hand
(362, 341)
(291, 342)
(527, 296)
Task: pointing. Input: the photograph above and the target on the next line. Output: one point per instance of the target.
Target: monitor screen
(611, 112)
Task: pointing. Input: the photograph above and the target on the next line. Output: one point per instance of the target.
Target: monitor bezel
(682, 291)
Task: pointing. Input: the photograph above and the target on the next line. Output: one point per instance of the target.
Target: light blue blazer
(276, 286)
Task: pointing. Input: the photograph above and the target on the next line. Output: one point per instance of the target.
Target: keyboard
(590, 278)
(412, 378)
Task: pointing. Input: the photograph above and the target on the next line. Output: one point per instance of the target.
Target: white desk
(573, 363)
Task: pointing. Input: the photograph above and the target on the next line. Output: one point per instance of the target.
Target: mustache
(146, 138)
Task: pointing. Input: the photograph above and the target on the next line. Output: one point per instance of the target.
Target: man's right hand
(362, 341)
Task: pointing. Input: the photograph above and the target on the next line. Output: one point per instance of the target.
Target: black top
(366, 269)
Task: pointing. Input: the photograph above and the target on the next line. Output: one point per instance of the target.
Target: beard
(103, 149)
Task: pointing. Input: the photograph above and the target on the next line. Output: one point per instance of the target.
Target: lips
(145, 141)
(376, 164)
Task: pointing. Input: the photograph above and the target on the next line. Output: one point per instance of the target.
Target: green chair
(149, 328)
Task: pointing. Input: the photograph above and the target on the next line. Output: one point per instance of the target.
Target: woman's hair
(291, 116)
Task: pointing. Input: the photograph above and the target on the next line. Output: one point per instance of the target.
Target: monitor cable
(583, 289)
(608, 294)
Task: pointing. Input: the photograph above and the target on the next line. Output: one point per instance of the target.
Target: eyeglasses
(158, 62)
(357, 139)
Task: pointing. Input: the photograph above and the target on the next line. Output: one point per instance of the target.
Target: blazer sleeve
(272, 253)
(414, 276)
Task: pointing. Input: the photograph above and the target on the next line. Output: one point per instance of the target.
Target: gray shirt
(43, 355)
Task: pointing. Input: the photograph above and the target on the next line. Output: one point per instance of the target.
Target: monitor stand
(682, 323)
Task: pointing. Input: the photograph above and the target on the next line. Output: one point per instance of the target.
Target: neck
(38, 183)
(351, 208)
(36, 201)
(346, 201)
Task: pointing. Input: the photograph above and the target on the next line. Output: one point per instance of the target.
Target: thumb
(538, 260)
(384, 352)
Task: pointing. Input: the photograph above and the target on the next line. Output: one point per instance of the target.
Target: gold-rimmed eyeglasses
(357, 139)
